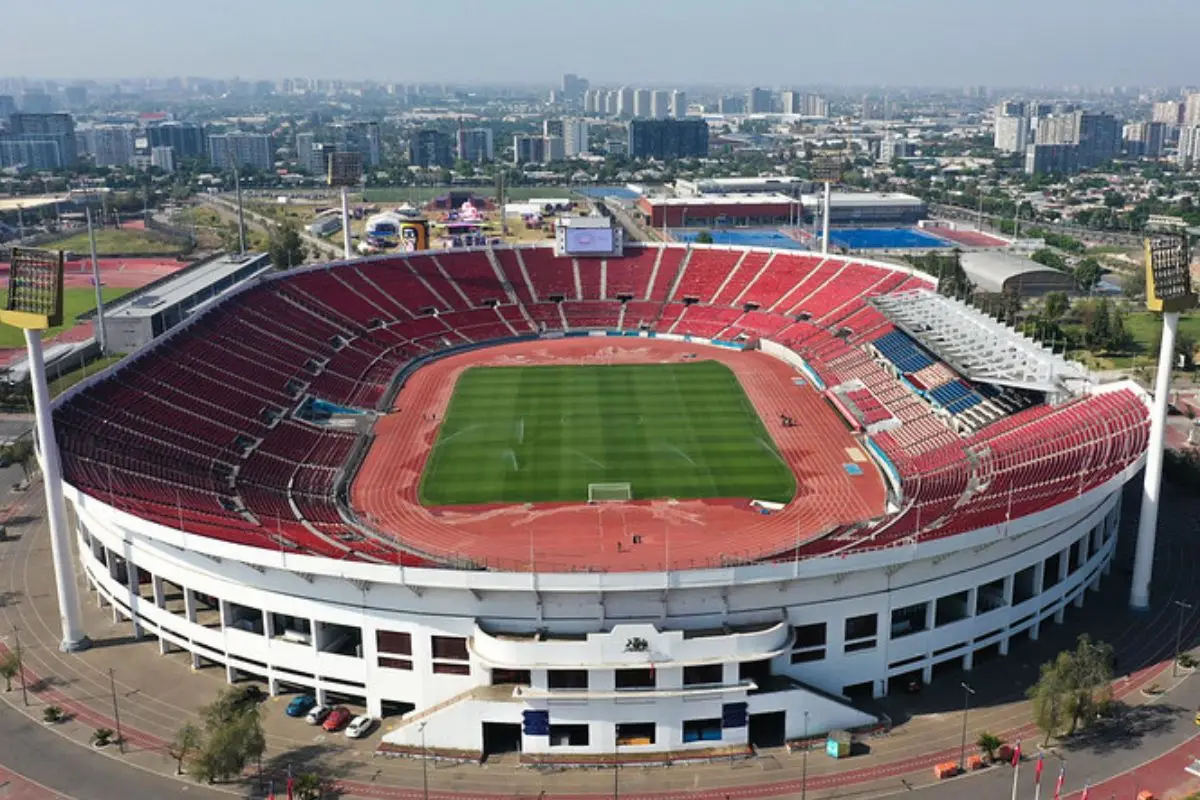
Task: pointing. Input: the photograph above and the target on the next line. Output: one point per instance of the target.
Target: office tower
(665, 139)
(573, 87)
(1099, 138)
(678, 104)
(758, 101)
(575, 137)
(430, 148)
(358, 137)
(56, 128)
(625, 102)
(553, 148)
(1169, 112)
(163, 158)
(1011, 132)
(659, 104)
(552, 127)
(252, 150)
(110, 145)
(475, 145)
(529, 149)
(185, 138)
(36, 101)
(641, 103)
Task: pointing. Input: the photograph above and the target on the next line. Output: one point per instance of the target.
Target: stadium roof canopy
(994, 271)
(978, 347)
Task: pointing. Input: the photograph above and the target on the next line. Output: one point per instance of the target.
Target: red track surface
(575, 537)
(968, 238)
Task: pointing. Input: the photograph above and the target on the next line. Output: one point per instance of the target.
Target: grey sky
(652, 42)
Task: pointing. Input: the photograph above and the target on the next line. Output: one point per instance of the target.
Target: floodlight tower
(826, 169)
(345, 170)
(1169, 290)
(35, 303)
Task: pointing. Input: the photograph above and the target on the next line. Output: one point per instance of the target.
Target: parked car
(317, 715)
(337, 719)
(301, 705)
(360, 726)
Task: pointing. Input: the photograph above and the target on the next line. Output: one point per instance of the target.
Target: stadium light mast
(35, 303)
(241, 218)
(826, 169)
(345, 170)
(1168, 290)
(101, 335)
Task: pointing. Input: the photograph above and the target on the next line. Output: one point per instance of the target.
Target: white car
(360, 726)
(317, 715)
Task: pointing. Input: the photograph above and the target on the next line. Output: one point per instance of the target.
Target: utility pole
(804, 762)
(962, 753)
(21, 665)
(112, 685)
(424, 764)
(1183, 606)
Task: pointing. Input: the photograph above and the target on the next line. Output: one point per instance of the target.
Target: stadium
(673, 501)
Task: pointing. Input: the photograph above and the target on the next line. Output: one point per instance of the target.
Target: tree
(704, 237)
(186, 741)
(1185, 348)
(1087, 273)
(10, 666)
(1098, 333)
(1048, 258)
(286, 248)
(1055, 305)
(988, 744)
(233, 737)
(1073, 688)
(1046, 697)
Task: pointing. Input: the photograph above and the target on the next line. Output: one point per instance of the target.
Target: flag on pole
(289, 783)
(1016, 762)
(1017, 754)
(1058, 784)
(1085, 792)
(1037, 770)
(271, 790)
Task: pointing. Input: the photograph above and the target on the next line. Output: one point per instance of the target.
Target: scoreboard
(594, 237)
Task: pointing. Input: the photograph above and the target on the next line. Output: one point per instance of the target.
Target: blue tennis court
(742, 237)
(884, 239)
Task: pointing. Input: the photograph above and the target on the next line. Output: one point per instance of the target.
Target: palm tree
(988, 744)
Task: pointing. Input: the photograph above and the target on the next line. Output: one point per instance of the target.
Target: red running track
(579, 537)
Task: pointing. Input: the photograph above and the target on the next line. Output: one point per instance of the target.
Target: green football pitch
(543, 434)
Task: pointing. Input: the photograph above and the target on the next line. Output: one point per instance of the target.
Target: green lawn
(117, 240)
(542, 434)
(75, 302)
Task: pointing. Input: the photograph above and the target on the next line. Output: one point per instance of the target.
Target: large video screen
(589, 240)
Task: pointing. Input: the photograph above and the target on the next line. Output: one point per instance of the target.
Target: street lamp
(424, 763)
(962, 753)
(1183, 606)
(617, 766)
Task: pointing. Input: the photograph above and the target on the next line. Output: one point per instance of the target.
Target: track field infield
(543, 434)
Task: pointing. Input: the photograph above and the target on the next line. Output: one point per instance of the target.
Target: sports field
(543, 434)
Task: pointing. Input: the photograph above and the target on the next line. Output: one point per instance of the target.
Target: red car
(338, 718)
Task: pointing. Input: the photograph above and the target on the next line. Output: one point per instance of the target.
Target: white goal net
(609, 492)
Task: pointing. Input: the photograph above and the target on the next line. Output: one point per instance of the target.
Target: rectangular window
(451, 669)
(909, 620)
(453, 648)
(568, 735)
(701, 730)
(395, 663)
(567, 679)
(863, 627)
(634, 734)
(635, 679)
(806, 656)
(809, 635)
(394, 642)
(703, 674)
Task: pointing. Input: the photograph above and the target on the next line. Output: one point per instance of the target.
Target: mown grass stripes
(542, 434)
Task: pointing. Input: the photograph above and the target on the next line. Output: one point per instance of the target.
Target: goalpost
(609, 492)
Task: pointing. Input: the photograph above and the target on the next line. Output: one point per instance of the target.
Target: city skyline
(767, 42)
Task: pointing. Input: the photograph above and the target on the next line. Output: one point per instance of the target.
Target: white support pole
(346, 252)
(100, 334)
(1143, 562)
(241, 217)
(73, 638)
(825, 222)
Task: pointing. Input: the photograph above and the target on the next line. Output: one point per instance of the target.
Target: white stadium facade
(1002, 464)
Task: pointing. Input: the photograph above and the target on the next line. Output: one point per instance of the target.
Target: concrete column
(880, 689)
(1010, 583)
(189, 605)
(1004, 646)
(160, 596)
(1064, 569)
(973, 601)
(135, 596)
(969, 661)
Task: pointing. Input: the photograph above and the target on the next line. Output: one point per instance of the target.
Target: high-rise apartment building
(612, 103)
(1095, 137)
(163, 158)
(758, 101)
(815, 106)
(358, 137)
(1144, 139)
(731, 105)
(575, 136)
(1011, 132)
(1168, 112)
(641, 103)
(666, 139)
(430, 148)
(110, 145)
(553, 148)
(790, 101)
(679, 104)
(8, 107)
(29, 153)
(1189, 146)
(659, 104)
(56, 128)
(185, 138)
(1191, 110)
(228, 150)
(573, 87)
(475, 145)
(552, 127)
(593, 101)
(625, 102)
(529, 149)
(76, 97)
(36, 101)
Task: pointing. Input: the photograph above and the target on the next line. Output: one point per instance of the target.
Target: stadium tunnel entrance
(500, 738)
(768, 729)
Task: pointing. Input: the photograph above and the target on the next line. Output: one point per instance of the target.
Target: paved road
(41, 755)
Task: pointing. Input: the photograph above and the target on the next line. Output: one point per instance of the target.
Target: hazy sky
(651, 42)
